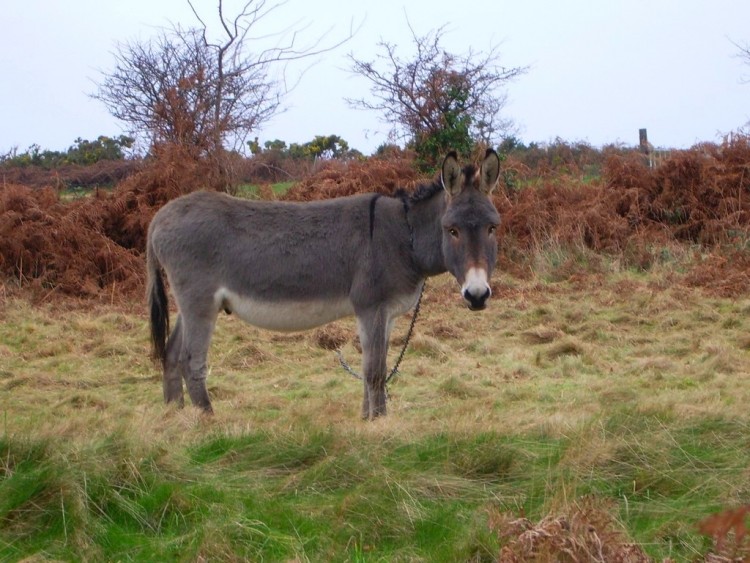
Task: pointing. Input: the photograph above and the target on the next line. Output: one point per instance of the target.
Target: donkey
(293, 266)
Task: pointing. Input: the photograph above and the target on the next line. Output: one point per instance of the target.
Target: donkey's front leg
(373, 335)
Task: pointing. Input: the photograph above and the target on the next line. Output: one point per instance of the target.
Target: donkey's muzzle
(476, 289)
(476, 300)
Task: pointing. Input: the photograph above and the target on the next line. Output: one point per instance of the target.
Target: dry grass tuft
(444, 330)
(331, 336)
(429, 346)
(567, 347)
(541, 335)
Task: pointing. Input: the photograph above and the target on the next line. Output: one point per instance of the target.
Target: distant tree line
(321, 147)
(82, 152)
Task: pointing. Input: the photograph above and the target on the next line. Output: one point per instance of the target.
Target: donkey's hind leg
(172, 378)
(197, 331)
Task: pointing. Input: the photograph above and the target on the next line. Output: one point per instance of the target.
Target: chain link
(394, 371)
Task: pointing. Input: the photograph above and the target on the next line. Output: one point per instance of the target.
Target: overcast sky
(599, 70)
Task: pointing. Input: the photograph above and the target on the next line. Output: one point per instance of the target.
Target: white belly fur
(404, 303)
(286, 316)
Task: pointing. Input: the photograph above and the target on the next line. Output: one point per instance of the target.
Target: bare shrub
(92, 246)
(101, 173)
(53, 246)
(698, 196)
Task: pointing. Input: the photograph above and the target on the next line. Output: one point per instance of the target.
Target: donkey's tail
(158, 304)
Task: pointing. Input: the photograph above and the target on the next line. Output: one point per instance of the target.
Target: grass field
(623, 392)
(253, 191)
(249, 191)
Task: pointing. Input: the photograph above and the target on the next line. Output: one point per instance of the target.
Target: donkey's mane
(422, 192)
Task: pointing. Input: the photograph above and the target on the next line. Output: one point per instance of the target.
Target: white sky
(599, 69)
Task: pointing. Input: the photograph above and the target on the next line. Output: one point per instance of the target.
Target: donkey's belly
(284, 315)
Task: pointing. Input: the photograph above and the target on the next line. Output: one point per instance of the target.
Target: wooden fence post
(643, 140)
(646, 148)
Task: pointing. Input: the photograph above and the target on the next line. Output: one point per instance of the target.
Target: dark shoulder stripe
(372, 213)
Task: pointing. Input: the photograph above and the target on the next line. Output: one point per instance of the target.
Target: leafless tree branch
(184, 86)
(743, 53)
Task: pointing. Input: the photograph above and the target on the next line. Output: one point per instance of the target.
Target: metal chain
(394, 371)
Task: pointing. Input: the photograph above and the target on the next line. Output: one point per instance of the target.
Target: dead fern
(730, 533)
(586, 532)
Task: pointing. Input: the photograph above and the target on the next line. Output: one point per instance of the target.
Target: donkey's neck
(424, 219)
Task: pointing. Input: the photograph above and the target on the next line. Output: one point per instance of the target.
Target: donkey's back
(208, 238)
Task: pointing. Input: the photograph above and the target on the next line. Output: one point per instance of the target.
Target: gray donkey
(294, 266)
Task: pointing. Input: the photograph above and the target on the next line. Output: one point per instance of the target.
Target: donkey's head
(469, 224)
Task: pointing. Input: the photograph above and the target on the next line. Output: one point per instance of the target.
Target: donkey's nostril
(476, 302)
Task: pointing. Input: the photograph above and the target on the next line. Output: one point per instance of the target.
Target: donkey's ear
(489, 172)
(450, 174)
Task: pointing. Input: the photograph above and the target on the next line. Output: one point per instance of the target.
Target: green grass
(249, 191)
(254, 191)
(73, 193)
(627, 390)
(281, 496)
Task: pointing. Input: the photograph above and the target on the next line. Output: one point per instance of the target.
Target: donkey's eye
(492, 230)
(453, 232)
